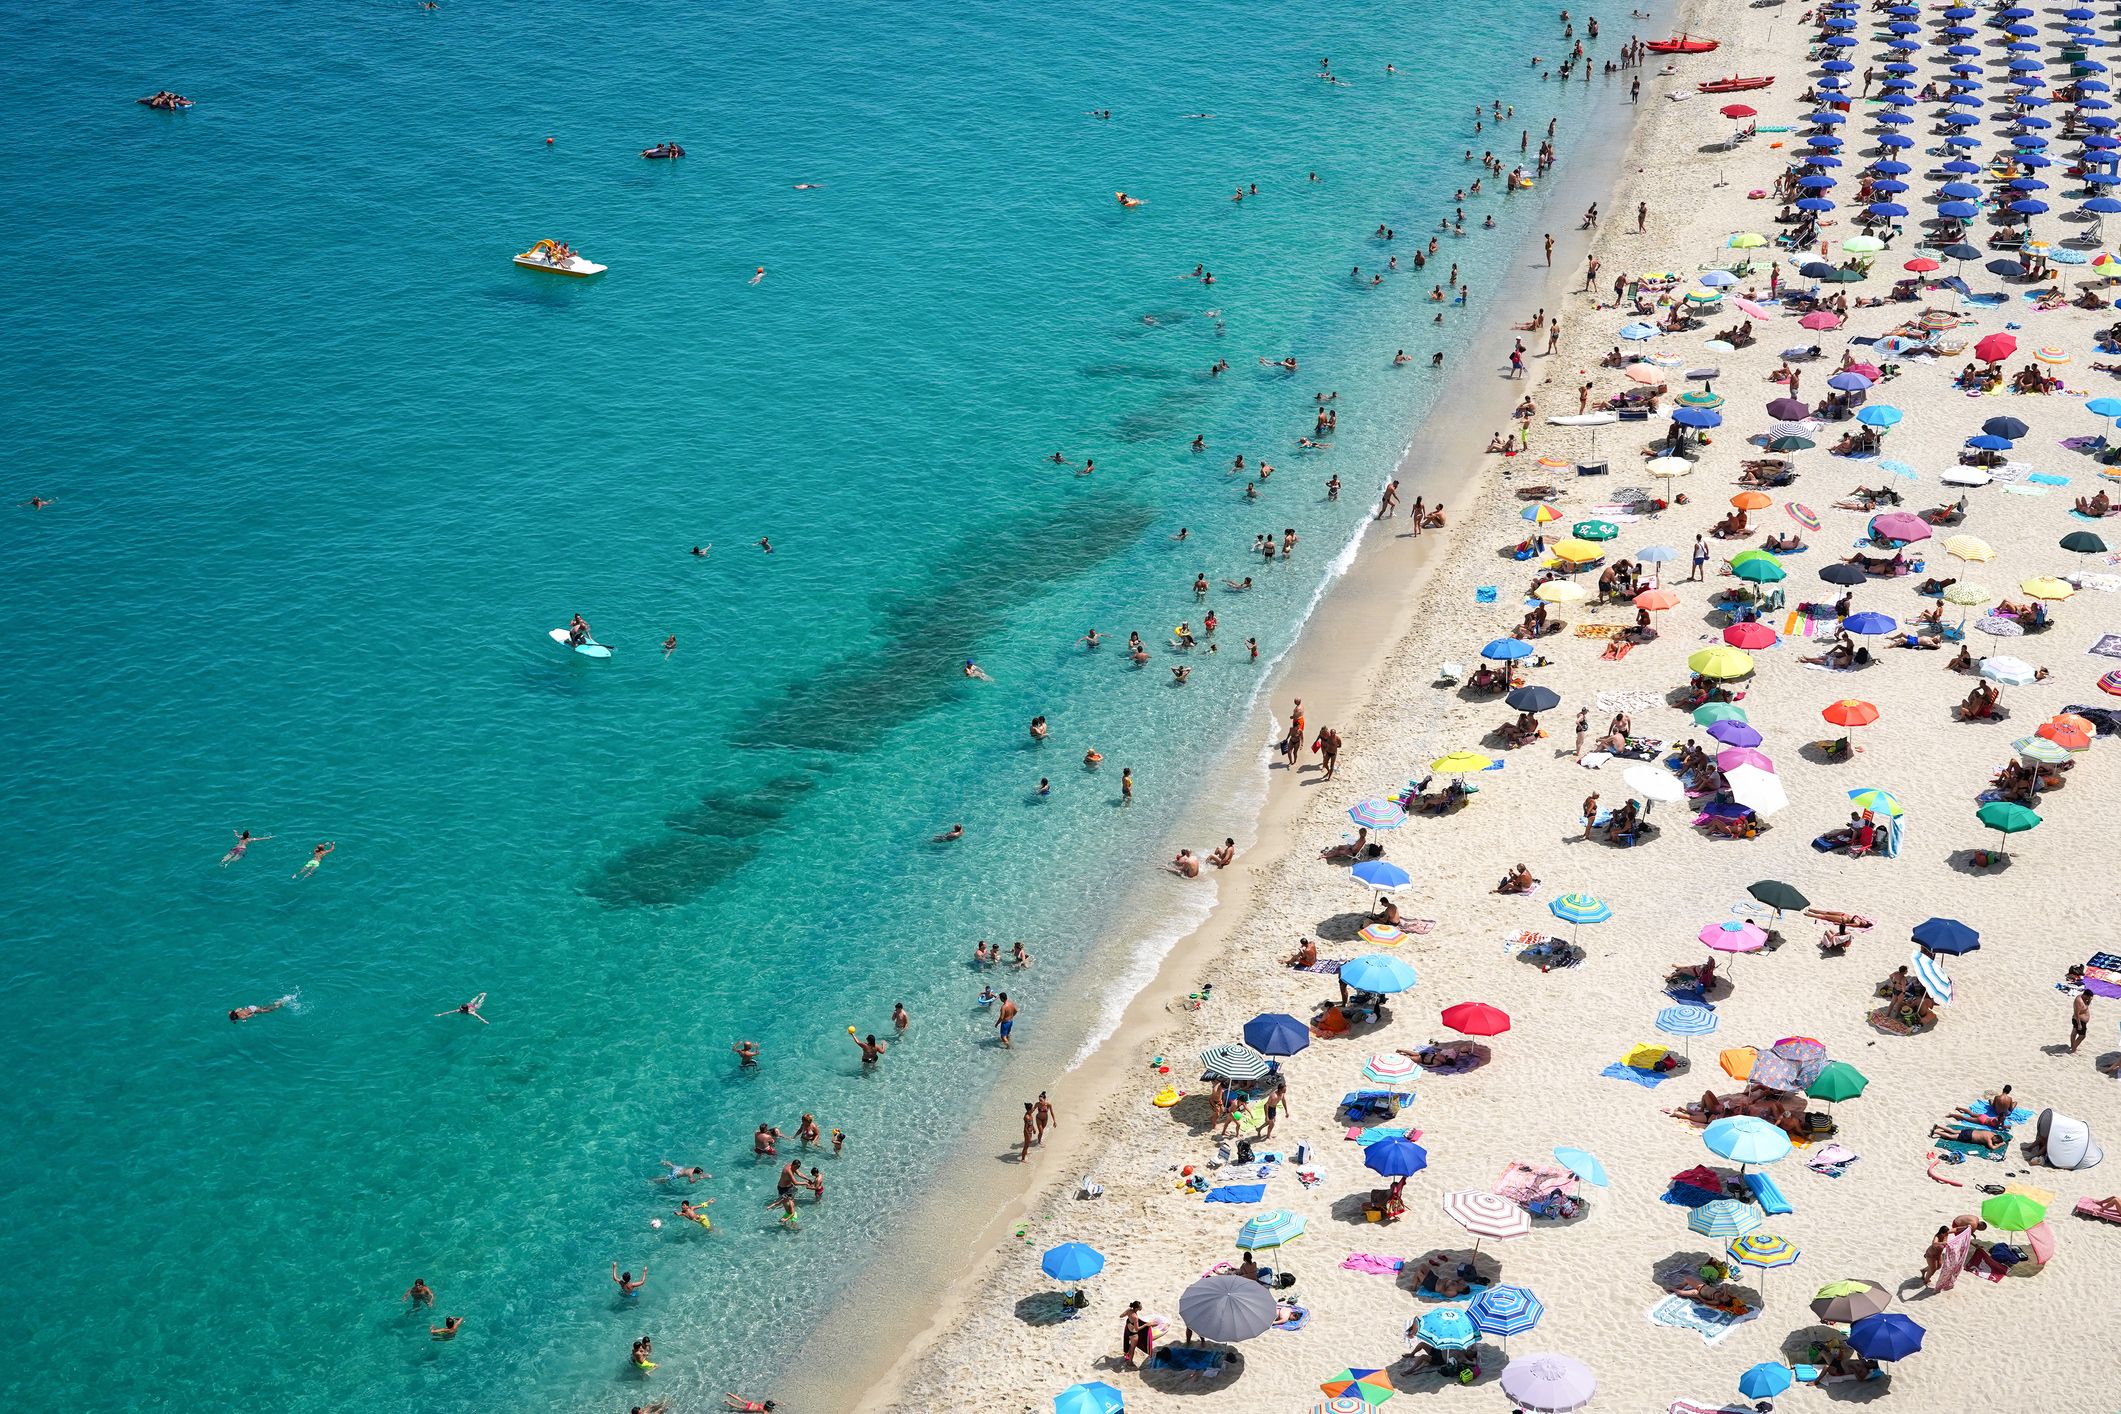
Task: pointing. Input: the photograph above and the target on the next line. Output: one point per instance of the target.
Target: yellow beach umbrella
(1969, 547)
(1461, 763)
(1644, 1056)
(1577, 551)
(1560, 591)
(2046, 586)
(1747, 240)
(1737, 1062)
(1721, 662)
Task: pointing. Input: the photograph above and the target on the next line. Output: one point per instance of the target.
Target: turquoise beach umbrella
(1072, 1261)
(1580, 908)
(1270, 1229)
(1447, 1328)
(1377, 973)
(1581, 1163)
(1091, 1397)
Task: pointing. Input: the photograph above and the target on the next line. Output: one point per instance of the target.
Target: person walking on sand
(2080, 1018)
(1046, 1117)
(1550, 249)
(1701, 560)
(1583, 729)
(1023, 1154)
(1590, 813)
(1642, 216)
(1389, 505)
(1005, 1021)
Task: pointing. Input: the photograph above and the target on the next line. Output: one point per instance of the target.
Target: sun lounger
(1771, 1200)
(2087, 1208)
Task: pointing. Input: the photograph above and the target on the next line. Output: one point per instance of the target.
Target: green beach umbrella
(1594, 530)
(1839, 1081)
(2013, 1212)
(1714, 712)
(1700, 399)
(2006, 816)
(1765, 570)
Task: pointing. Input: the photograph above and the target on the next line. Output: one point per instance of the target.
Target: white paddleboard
(587, 650)
(1585, 419)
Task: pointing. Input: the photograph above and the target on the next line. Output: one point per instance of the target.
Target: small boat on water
(1734, 84)
(557, 258)
(662, 150)
(1682, 44)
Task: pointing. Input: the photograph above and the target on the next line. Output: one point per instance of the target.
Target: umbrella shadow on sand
(1965, 861)
(1043, 1308)
(1341, 927)
(1486, 1270)
(1801, 1345)
(1820, 753)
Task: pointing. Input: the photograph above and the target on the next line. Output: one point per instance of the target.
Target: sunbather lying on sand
(1965, 1134)
(2109, 1206)
(1438, 1054)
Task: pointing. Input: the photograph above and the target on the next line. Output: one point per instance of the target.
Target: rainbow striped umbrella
(1383, 935)
(1540, 513)
(1378, 814)
(1370, 1386)
(1801, 513)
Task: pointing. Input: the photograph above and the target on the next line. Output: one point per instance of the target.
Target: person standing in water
(1005, 1021)
(625, 1281)
(244, 840)
(419, 1293)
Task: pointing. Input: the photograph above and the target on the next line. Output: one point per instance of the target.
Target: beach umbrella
(1447, 1328)
(1232, 1061)
(1668, 467)
(1852, 712)
(1274, 1033)
(1395, 1158)
(1746, 240)
(1968, 547)
(1387, 1067)
(1090, 1397)
(1504, 650)
(1370, 1387)
(1887, 1337)
(1967, 595)
(1227, 1309)
(1596, 529)
(1931, 974)
(2066, 733)
(1879, 415)
(1738, 1061)
(1765, 1380)
(1270, 1229)
(1724, 1218)
(2013, 1212)
(1476, 1019)
(1751, 636)
(1778, 895)
(1656, 600)
(1377, 973)
(1899, 525)
(1378, 814)
(1382, 935)
(2083, 542)
(1540, 513)
(1581, 1163)
(1995, 348)
(1381, 874)
(1461, 763)
(1486, 1214)
(1759, 791)
(1763, 1250)
(1637, 332)
(2007, 427)
(1508, 1310)
(1870, 623)
(1845, 575)
(1947, 935)
(1820, 319)
(1745, 1140)
(1579, 909)
(1687, 1021)
(2047, 587)
(1072, 1261)
(1655, 784)
(1560, 591)
(1839, 1081)
(2006, 817)
(1720, 663)
(1790, 410)
(1548, 1384)
(1734, 936)
(1846, 1301)
(1534, 699)
(1758, 567)
(1735, 733)
(1873, 799)
(2011, 672)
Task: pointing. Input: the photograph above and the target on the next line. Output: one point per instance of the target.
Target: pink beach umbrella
(1737, 756)
(1734, 937)
(1821, 319)
(1752, 310)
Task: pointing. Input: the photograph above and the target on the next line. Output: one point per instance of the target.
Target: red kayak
(1684, 44)
(1735, 84)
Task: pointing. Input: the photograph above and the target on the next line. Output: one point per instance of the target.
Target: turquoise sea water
(326, 467)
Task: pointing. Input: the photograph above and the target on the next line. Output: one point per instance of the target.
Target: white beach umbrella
(2011, 672)
(1654, 783)
(1759, 791)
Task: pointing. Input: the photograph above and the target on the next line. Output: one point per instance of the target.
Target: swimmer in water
(35, 503)
(809, 186)
(1125, 200)
(1091, 639)
(244, 840)
(448, 1329)
(695, 1212)
(470, 1008)
(747, 1406)
(642, 1349)
(316, 857)
(765, 544)
(703, 550)
(974, 670)
(245, 1013)
(625, 1281)
(955, 832)
(747, 1054)
(690, 1173)
(758, 275)
(1092, 759)
(670, 645)
(1045, 787)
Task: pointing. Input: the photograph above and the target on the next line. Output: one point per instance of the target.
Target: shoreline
(1339, 650)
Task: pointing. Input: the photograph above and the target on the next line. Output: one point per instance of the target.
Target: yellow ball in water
(850, 1031)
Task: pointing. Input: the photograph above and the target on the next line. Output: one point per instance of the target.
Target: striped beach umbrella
(1486, 1214)
(1234, 1061)
(1270, 1229)
(1388, 1066)
(1929, 971)
(1506, 1311)
(1688, 1021)
(1873, 799)
(1382, 935)
(2039, 748)
(1447, 1328)
(1725, 1218)
(1378, 814)
(1764, 1250)
(1801, 513)
(1580, 909)
(1372, 1387)
(1540, 513)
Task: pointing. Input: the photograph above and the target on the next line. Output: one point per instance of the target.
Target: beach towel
(1417, 926)
(1372, 1264)
(1647, 1079)
(1484, 594)
(1597, 630)
(1610, 701)
(1377, 1134)
(1709, 1323)
(2026, 490)
(2017, 1116)
(2108, 646)
(1237, 1193)
(1832, 1160)
(1953, 1260)
(1330, 966)
(1617, 650)
(2043, 478)
(1473, 1289)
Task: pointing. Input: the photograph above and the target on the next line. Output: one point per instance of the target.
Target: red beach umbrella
(2066, 735)
(1922, 265)
(1995, 348)
(1476, 1019)
(1827, 319)
(1851, 712)
(1739, 110)
(1751, 636)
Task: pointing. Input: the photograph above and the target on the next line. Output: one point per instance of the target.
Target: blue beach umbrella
(1274, 1033)
(1869, 623)
(1962, 120)
(2104, 407)
(1891, 188)
(1879, 416)
(1745, 1140)
(1817, 183)
(1988, 443)
(1725, 1218)
(1581, 1163)
(1697, 417)
(1381, 874)
(1765, 1380)
(1687, 1020)
(1638, 331)
(1897, 140)
(1893, 169)
(1395, 1158)
(1503, 650)
(1377, 814)
(1270, 1229)
(1960, 191)
(1090, 1397)
(1506, 1310)
(2030, 206)
(1890, 1336)
(2009, 427)
(1072, 1261)
(1813, 203)
(1900, 469)
(1377, 973)
(1895, 118)
(1885, 210)
(1958, 210)
(1447, 1328)
(1947, 935)
(1580, 909)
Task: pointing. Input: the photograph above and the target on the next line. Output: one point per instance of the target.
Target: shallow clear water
(327, 467)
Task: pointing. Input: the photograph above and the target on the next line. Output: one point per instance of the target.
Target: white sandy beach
(997, 1342)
